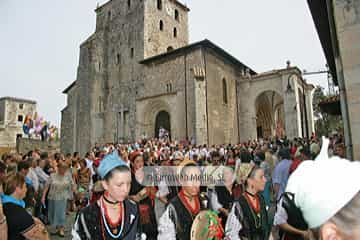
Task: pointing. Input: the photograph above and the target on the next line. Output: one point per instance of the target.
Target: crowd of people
(265, 195)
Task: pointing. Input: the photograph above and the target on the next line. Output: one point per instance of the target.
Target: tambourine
(207, 226)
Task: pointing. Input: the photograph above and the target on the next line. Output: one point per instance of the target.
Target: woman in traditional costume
(144, 196)
(248, 218)
(113, 216)
(225, 194)
(176, 222)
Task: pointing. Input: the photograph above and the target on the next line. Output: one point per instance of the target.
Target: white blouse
(166, 227)
(233, 225)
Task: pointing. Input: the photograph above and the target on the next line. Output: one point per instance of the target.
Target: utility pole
(305, 110)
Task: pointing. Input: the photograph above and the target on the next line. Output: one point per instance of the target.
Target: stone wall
(252, 87)
(163, 89)
(347, 18)
(222, 115)
(24, 145)
(110, 78)
(157, 41)
(2, 111)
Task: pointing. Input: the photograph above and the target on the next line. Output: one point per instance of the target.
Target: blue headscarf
(109, 162)
(10, 199)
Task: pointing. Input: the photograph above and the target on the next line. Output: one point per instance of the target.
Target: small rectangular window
(132, 52)
(20, 118)
(118, 58)
(18, 136)
(159, 4)
(21, 106)
(176, 15)
(100, 104)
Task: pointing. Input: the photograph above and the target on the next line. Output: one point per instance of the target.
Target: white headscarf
(324, 186)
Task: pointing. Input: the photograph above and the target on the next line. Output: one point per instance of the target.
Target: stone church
(138, 73)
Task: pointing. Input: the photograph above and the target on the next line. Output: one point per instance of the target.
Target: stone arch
(151, 110)
(162, 120)
(269, 109)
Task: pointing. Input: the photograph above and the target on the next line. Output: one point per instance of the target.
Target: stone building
(338, 25)
(12, 115)
(138, 73)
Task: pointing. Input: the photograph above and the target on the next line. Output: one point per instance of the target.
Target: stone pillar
(347, 20)
(74, 130)
(201, 131)
(247, 112)
(121, 127)
(291, 107)
(309, 108)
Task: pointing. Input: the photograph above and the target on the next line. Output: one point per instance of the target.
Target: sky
(39, 41)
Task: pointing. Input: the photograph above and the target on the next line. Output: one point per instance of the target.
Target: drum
(207, 226)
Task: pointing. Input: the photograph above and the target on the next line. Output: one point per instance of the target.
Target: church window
(100, 102)
(161, 25)
(159, 4)
(118, 58)
(176, 15)
(170, 88)
(170, 48)
(132, 52)
(99, 66)
(20, 118)
(225, 95)
(175, 32)
(129, 3)
(109, 14)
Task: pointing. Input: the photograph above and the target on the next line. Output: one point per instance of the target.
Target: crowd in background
(41, 188)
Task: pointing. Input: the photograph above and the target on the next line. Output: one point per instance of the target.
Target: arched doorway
(162, 120)
(270, 116)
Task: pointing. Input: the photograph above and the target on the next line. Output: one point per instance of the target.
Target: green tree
(325, 123)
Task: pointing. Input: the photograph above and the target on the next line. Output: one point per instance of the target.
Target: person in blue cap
(113, 216)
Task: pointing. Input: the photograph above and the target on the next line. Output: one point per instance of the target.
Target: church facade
(138, 73)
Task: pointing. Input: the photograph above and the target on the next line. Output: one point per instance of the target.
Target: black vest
(246, 215)
(92, 217)
(182, 218)
(295, 216)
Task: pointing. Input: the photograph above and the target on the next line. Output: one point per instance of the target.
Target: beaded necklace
(105, 225)
(111, 223)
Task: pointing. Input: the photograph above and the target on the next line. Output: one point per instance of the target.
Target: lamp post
(305, 110)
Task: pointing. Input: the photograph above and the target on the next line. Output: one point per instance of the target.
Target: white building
(12, 115)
